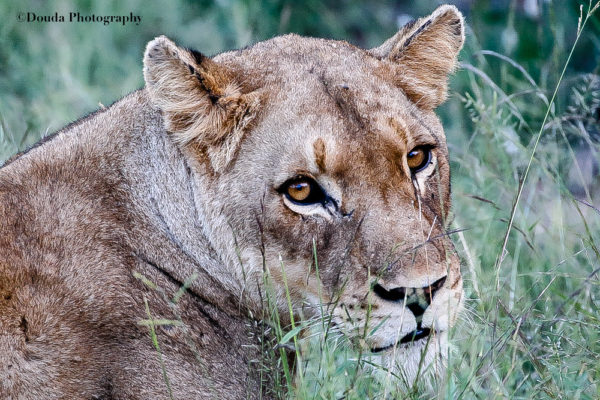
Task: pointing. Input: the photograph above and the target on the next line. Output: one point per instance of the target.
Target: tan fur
(181, 182)
(427, 50)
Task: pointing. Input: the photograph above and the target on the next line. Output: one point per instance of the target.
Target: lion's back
(53, 332)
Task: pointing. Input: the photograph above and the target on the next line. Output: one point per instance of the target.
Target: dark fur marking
(24, 326)
(107, 386)
(180, 284)
(320, 154)
(457, 26)
(416, 33)
(211, 96)
(192, 197)
(410, 24)
(198, 57)
(455, 283)
(344, 105)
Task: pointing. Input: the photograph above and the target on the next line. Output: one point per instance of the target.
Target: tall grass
(532, 246)
(524, 138)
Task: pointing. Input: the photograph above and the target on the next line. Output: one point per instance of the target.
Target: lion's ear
(202, 103)
(426, 51)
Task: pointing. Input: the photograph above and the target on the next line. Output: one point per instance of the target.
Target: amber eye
(303, 190)
(299, 191)
(418, 158)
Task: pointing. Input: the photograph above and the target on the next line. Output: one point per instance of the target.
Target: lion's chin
(411, 339)
(415, 360)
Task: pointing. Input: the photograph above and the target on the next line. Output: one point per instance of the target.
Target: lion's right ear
(202, 103)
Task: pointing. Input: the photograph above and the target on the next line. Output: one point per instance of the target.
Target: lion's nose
(417, 299)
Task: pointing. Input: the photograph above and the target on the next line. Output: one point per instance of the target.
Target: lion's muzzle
(416, 300)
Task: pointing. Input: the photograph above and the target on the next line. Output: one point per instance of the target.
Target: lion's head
(311, 150)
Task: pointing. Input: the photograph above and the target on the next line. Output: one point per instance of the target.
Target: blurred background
(55, 72)
(530, 329)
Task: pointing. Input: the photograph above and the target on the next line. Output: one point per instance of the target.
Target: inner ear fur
(203, 105)
(425, 52)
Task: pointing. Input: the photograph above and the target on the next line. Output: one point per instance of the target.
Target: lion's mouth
(411, 337)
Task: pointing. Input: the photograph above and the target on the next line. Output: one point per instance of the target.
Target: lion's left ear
(426, 52)
(203, 102)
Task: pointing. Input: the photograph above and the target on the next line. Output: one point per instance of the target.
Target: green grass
(525, 190)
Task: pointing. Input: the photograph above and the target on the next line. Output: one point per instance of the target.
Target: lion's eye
(303, 190)
(299, 191)
(418, 158)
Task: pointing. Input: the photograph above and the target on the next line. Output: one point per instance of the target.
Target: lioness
(219, 172)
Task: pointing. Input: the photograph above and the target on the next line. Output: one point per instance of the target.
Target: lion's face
(366, 179)
(323, 166)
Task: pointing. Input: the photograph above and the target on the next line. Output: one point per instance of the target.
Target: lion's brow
(403, 132)
(425, 126)
(400, 128)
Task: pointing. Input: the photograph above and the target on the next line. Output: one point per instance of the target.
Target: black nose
(417, 299)
(396, 294)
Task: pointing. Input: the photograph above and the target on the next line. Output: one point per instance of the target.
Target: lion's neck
(126, 189)
(169, 232)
